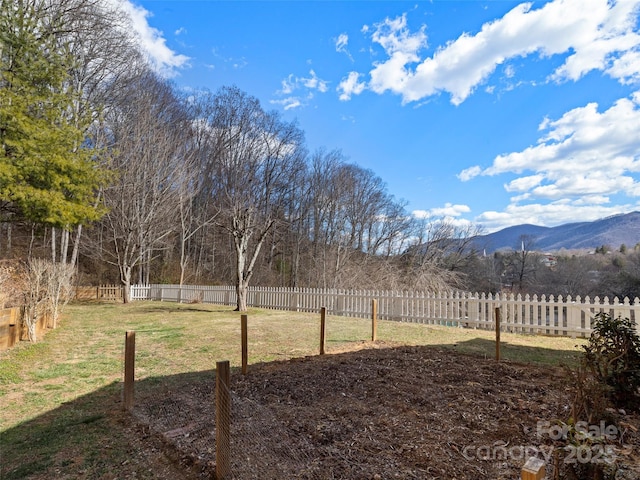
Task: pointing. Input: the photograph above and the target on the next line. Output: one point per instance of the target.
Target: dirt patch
(378, 413)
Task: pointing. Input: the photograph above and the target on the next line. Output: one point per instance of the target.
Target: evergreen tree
(48, 172)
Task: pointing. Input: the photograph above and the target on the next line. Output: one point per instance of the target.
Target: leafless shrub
(35, 275)
(59, 287)
(46, 288)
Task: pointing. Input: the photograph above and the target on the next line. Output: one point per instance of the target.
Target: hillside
(612, 231)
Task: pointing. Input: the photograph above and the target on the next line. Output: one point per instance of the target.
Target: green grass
(59, 397)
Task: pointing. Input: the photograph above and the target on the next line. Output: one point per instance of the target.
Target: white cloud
(449, 214)
(606, 31)
(402, 47)
(509, 71)
(314, 83)
(341, 42)
(180, 31)
(151, 40)
(594, 34)
(293, 83)
(524, 183)
(236, 63)
(579, 163)
(341, 45)
(469, 173)
(449, 210)
(585, 153)
(350, 86)
(288, 103)
(306, 85)
(592, 200)
(626, 68)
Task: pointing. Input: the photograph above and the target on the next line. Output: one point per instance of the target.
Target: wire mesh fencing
(260, 444)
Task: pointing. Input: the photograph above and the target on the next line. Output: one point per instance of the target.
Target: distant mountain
(613, 231)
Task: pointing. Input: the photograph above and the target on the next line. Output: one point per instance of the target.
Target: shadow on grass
(181, 307)
(92, 437)
(67, 440)
(517, 353)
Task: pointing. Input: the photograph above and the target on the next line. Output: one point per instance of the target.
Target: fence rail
(547, 315)
(100, 292)
(12, 328)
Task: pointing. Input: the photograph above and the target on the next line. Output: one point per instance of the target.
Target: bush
(609, 374)
(613, 357)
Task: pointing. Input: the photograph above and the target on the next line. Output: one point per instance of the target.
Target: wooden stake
(374, 320)
(533, 469)
(497, 334)
(323, 317)
(129, 369)
(223, 421)
(245, 346)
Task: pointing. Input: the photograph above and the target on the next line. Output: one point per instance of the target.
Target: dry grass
(60, 398)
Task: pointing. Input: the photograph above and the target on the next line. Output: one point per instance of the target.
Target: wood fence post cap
(534, 469)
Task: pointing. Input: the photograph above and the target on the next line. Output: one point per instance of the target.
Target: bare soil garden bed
(381, 412)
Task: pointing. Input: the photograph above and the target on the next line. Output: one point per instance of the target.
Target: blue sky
(492, 112)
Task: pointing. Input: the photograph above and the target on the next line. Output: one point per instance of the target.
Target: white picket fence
(519, 314)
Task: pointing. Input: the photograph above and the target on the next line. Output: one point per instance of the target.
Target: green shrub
(613, 357)
(609, 375)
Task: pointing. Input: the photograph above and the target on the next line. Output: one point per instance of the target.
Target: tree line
(602, 271)
(110, 168)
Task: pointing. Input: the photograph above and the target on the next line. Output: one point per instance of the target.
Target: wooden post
(245, 347)
(497, 334)
(323, 316)
(223, 422)
(533, 469)
(374, 320)
(129, 369)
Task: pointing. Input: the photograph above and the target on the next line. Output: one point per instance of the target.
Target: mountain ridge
(612, 231)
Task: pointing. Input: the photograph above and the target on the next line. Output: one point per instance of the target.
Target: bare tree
(254, 153)
(59, 289)
(326, 223)
(149, 129)
(521, 265)
(439, 252)
(98, 37)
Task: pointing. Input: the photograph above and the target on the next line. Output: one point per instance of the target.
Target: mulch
(381, 412)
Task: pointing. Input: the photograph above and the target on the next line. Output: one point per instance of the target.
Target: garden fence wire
(262, 446)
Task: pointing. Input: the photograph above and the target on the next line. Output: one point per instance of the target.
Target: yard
(422, 402)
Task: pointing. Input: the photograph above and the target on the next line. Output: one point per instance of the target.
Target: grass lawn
(60, 397)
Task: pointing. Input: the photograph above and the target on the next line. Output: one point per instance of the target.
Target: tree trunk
(9, 239)
(64, 246)
(33, 238)
(295, 265)
(147, 271)
(53, 244)
(183, 257)
(76, 246)
(241, 291)
(31, 326)
(241, 284)
(125, 277)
